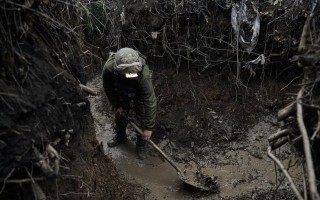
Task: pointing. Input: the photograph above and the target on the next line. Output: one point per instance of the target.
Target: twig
(238, 63)
(59, 74)
(295, 78)
(74, 193)
(285, 172)
(25, 180)
(40, 14)
(317, 128)
(306, 147)
(5, 180)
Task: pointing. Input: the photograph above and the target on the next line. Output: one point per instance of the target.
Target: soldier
(126, 79)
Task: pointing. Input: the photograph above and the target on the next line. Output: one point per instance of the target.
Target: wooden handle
(172, 163)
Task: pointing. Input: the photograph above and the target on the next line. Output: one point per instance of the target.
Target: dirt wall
(45, 124)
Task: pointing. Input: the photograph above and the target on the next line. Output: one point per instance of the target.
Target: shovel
(203, 183)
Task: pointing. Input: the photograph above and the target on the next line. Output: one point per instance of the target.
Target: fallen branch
(285, 172)
(279, 143)
(280, 134)
(307, 149)
(88, 90)
(286, 111)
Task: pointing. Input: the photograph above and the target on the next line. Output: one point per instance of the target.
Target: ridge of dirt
(91, 174)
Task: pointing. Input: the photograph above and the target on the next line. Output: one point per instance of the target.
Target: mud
(231, 148)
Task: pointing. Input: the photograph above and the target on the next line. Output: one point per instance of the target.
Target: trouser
(121, 123)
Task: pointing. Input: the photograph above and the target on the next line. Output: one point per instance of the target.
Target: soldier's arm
(148, 100)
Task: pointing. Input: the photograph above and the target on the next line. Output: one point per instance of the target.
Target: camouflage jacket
(144, 96)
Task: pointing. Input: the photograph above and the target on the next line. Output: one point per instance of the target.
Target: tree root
(280, 138)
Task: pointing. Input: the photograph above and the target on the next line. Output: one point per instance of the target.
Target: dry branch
(279, 134)
(277, 144)
(286, 111)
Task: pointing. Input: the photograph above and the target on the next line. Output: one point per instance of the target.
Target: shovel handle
(172, 163)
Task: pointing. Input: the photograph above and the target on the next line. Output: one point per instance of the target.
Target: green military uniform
(121, 91)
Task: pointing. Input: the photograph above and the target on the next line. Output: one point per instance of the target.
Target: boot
(120, 130)
(141, 149)
(141, 152)
(116, 140)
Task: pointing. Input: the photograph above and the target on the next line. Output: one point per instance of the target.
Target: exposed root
(279, 134)
(307, 149)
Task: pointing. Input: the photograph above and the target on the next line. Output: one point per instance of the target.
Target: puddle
(246, 170)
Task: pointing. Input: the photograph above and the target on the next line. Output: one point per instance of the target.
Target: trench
(244, 169)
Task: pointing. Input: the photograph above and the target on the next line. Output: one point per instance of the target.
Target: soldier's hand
(147, 134)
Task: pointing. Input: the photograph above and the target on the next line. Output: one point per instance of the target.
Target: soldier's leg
(120, 129)
(141, 143)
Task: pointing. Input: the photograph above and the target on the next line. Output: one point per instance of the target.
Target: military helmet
(128, 62)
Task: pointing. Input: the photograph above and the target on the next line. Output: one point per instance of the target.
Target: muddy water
(243, 169)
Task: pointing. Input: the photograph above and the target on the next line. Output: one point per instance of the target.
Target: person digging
(126, 79)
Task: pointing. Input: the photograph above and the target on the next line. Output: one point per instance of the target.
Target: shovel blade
(208, 184)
